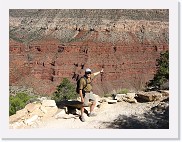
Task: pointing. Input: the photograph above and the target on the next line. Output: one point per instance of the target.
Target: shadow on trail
(156, 118)
(73, 103)
(71, 106)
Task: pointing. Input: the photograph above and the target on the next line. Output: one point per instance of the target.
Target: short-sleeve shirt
(83, 83)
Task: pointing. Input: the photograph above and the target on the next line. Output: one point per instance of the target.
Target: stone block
(49, 103)
(130, 95)
(149, 96)
(43, 109)
(49, 111)
(14, 118)
(38, 112)
(119, 96)
(31, 120)
(21, 113)
(60, 113)
(165, 93)
(130, 100)
(17, 125)
(32, 106)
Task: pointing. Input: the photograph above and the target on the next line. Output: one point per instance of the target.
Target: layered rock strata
(48, 45)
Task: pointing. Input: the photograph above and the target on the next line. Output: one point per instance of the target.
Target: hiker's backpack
(78, 84)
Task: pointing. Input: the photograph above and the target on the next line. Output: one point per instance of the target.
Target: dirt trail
(110, 116)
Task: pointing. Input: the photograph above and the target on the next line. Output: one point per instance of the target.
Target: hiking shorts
(88, 97)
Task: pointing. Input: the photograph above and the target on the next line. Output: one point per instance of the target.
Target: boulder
(38, 112)
(164, 92)
(129, 100)
(49, 103)
(31, 120)
(43, 109)
(17, 125)
(49, 111)
(149, 96)
(130, 95)
(60, 113)
(119, 97)
(21, 113)
(32, 106)
(14, 118)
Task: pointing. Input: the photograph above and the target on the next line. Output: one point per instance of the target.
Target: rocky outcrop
(32, 114)
(48, 45)
(36, 114)
(152, 96)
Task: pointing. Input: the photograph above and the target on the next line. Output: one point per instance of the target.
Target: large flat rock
(149, 96)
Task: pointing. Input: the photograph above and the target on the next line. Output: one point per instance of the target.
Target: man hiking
(85, 92)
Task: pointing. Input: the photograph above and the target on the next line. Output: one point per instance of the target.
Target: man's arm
(96, 73)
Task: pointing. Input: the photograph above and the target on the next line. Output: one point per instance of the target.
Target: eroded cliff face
(48, 45)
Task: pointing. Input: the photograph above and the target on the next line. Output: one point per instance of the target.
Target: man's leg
(86, 99)
(82, 111)
(92, 106)
(93, 101)
(82, 117)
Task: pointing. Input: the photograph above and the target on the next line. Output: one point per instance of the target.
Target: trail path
(108, 116)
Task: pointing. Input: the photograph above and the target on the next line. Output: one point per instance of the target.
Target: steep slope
(47, 45)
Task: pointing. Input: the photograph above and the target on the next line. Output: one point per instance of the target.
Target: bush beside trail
(65, 91)
(18, 102)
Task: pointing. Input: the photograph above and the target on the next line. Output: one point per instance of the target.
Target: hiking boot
(82, 118)
(92, 114)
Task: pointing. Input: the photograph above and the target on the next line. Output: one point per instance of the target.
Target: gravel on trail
(121, 115)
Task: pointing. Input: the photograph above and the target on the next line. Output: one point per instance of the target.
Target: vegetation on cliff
(18, 102)
(64, 24)
(162, 74)
(65, 91)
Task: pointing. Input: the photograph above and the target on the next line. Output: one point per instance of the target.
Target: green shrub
(107, 95)
(123, 91)
(162, 74)
(17, 102)
(65, 91)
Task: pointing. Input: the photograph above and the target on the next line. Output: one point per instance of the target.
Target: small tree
(65, 91)
(162, 74)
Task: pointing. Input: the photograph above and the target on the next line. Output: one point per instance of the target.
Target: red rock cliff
(46, 48)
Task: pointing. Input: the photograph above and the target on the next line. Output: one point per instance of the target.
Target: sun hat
(88, 70)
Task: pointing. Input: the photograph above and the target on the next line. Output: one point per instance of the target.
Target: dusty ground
(122, 115)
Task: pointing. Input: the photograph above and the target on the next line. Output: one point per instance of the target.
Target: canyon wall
(48, 45)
